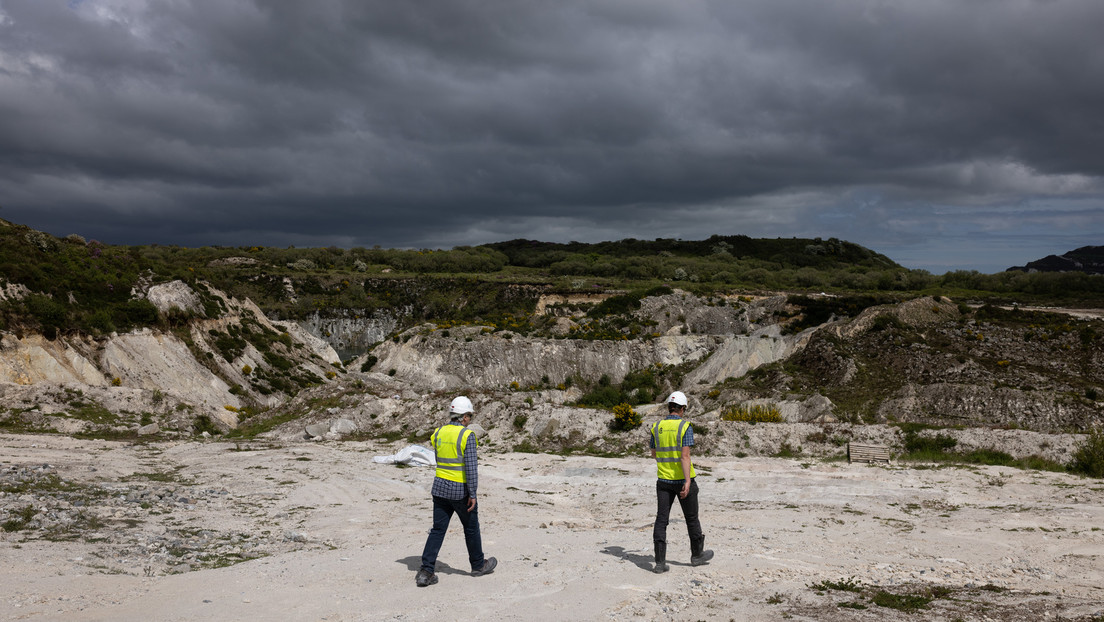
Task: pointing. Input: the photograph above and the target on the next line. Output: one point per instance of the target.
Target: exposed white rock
(13, 291)
(741, 354)
(233, 261)
(316, 344)
(434, 362)
(349, 331)
(175, 294)
(34, 359)
(157, 361)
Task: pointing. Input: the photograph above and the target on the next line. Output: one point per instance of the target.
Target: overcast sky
(946, 134)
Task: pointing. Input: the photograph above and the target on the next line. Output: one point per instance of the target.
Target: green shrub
(844, 585)
(901, 602)
(785, 450)
(526, 447)
(616, 305)
(278, 361)
(914, 443)
(602, 396)
(19, 519)
(203, 424)
(990, 456)
(887, 321)
(49, 313)
(638, 387)
(139, 312)
(1088, 458)
(753, 414)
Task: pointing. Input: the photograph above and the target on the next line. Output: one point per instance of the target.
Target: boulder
(175, 295)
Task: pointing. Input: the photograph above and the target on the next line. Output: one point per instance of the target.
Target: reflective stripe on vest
(668, 435)
(449, 443)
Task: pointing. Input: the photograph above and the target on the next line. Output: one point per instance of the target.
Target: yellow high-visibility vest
(668, 435)
(449, 443)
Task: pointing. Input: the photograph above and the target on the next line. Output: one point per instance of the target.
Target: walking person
(671, 440)
(454, 489)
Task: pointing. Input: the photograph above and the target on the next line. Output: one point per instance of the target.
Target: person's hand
(685, 490)
(471, 503)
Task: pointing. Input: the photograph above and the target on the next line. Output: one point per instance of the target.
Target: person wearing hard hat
(671, 440)
(453, 492)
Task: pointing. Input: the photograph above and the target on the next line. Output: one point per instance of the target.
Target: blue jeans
(442, 514)
(665, 497)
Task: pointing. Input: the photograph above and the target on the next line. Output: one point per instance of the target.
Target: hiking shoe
(661, 567)
(488, 567)
(425, 578)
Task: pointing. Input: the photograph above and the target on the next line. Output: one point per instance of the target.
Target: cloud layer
(945, 134)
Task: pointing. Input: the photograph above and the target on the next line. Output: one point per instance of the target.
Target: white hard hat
(460, 406)
(678, 397)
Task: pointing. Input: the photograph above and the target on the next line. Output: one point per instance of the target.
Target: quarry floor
(318, 531)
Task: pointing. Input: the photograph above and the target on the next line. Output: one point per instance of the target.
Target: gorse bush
(625, 418)
(752, 414)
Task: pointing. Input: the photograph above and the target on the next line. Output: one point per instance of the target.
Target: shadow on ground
(414, 563)
(644, 562)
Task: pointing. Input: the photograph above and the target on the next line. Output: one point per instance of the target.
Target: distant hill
(1087, 259)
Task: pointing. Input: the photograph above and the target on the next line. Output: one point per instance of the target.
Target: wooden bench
(859, 452)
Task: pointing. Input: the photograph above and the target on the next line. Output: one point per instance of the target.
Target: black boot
(697, 555)
(661, 557)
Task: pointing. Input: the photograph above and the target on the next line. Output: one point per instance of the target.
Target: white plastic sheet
(415, 455)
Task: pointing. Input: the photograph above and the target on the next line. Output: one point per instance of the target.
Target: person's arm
(684, 458)
(471, 470)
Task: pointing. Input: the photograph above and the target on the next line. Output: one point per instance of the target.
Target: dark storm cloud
(915, 128)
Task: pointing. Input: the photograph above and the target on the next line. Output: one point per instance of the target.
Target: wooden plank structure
(859, 452)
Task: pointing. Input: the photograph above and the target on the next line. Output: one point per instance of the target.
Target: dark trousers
(442, 514)
(666, 495)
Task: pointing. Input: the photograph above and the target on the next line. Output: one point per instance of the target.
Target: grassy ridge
(85, 286)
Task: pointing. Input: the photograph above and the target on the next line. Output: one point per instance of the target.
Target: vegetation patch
(1088, 458)
(757, 413)
(909, 603)
(937, 448)
(843, 585)
(625, 418)
(639, 387)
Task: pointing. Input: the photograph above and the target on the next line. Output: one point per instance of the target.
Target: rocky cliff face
(925, 360)
(213, 367)
(469, 358)
(351, 332)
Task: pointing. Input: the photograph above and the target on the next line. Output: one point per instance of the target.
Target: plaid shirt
(687, 441)
(458, 491)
